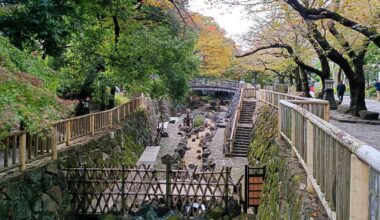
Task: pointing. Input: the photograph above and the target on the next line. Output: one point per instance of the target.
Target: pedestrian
(312, 91)
(378, 90)
(87, 106)
(341, 88)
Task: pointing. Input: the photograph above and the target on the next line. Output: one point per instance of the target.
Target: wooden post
(92, 125)
(54, 151)
(279, 118)
(326, 112)
(359, 192)
(110, 118)
(118, 115)
(168, 160)
(68, 133)
(310, 153)
(293, 130)
(22, 152)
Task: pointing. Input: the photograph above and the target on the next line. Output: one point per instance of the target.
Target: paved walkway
(367, 133)
(216, 147)
(168, 144)
(372, 105)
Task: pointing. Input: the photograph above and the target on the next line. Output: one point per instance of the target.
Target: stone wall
(42, 192)
(284, 194)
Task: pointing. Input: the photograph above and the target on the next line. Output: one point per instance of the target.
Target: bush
(199, 120)
(120, 99)
(371, 92)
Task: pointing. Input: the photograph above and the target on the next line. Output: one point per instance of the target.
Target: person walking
(377, 85)
(340, 88)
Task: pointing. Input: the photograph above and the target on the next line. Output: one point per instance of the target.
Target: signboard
(254, 180)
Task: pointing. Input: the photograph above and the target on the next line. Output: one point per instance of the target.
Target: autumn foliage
(215, 49)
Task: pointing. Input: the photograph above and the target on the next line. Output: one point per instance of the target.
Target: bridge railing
(208, 82)
(343, 170)
(20, 147)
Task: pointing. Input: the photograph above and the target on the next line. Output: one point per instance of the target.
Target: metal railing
(20, 147)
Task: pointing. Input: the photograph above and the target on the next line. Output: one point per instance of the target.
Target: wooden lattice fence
(124, 189)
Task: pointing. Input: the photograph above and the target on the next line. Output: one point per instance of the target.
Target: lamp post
(329, 94)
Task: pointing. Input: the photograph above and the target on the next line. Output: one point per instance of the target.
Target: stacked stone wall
(284, 194)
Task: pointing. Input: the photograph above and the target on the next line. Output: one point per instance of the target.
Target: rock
(22, 210)
(199, 157)
(165, 134)
(181, 152)
(181, 133)
(56, 193)
(12, 192)
(36, 205)
(36, 175)
(215, 213)
(233, 208)
(193, 140)
(344, 109)
(221, 125)
(83, 159)
(206, 154)
(47, 182)
(368, 115)
(4, 208)
(199, 151)
(172, 121)
(191, 166)
(52, 168)
(32, 190)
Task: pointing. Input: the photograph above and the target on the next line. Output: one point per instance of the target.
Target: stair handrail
(235, 121)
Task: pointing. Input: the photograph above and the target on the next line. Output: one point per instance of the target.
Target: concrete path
(367, 133)
(372, 105)
(149, 155)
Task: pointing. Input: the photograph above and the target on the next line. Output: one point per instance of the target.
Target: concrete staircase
(244, 130)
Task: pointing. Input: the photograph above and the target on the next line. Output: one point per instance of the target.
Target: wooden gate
(123, 190)
(254, 180)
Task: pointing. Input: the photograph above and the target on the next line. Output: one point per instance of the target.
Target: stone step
(242, 141)
(238, 155)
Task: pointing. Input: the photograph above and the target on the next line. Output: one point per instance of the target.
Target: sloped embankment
(284, 195)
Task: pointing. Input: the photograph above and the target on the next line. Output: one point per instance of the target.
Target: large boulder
(344, 109)
(233, 208)
(368, 115)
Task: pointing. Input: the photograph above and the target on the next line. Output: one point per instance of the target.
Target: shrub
(199, 120)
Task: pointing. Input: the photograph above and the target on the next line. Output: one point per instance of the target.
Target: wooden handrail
(236, 120)
(344, 171)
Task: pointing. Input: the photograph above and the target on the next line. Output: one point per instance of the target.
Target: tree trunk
(357, 88)
(297, 78)
(305, 83)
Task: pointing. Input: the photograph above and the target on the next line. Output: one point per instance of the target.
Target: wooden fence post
(68, 133)
(110, 118)
(279, 119)
(310, 153)
(22, 153)
(359, 192)
(54, 151)
(293, 130)
(92, 125)
(326, 112)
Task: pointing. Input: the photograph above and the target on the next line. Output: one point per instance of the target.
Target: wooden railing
(321, 108)
(344, 171)
(20, 147)
(250, 92)
(235, 121)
